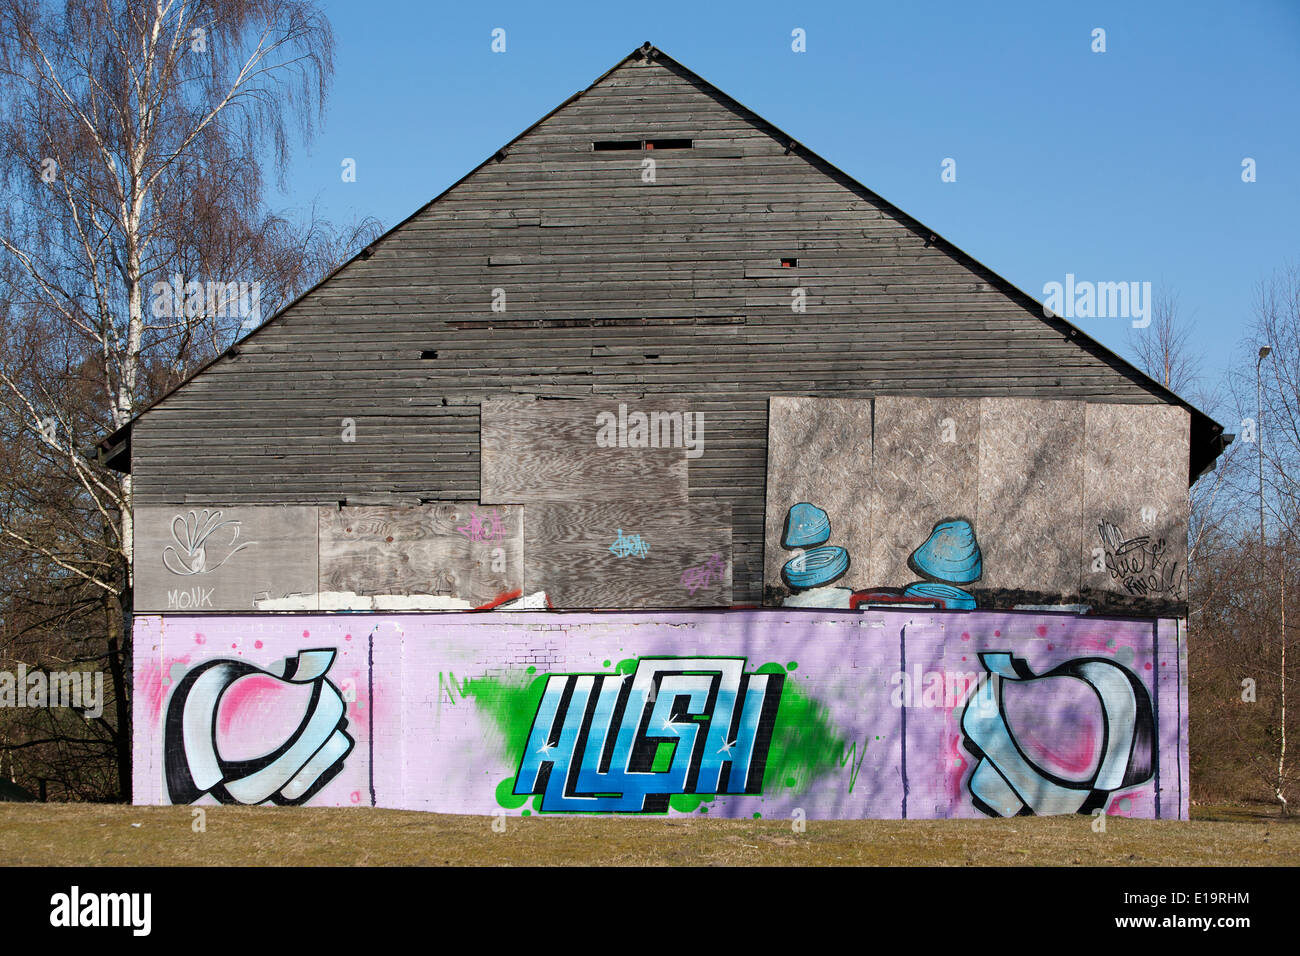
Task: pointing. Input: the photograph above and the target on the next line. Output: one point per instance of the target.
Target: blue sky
(1115, 166)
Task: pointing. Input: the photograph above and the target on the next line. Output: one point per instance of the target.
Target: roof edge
(109, 448)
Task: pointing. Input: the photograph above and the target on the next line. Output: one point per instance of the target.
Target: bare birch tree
(1164, 349)
(1266, 393)
(135, 243)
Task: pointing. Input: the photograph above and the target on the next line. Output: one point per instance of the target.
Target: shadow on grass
(1242, 813)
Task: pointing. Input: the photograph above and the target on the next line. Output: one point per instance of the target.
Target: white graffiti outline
(292, 773)
(191, 535)
(1005, 782)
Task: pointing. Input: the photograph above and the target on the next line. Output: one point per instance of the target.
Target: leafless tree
(1164, 349)
(1239, 579)
(135, 243)
(1266, 391)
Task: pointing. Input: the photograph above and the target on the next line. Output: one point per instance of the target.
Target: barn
(658, 466)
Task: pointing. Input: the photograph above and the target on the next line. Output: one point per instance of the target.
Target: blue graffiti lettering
(595, 738)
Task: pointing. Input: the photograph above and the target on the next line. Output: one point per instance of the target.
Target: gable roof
(1207, 436)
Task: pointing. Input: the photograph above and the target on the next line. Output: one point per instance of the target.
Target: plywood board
(1134, 523)
(194, 558)
(819, 451)
(1030, 499)
(661, 557)
(925, 470)
(446, 555)
(574, 450)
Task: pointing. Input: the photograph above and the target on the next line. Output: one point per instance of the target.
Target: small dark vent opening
(789, 263)
(428, 354)
(606, 145)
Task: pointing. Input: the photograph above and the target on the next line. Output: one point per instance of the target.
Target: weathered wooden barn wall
(460, 551)
(950, 503)
(559, 451)
(614, 287)
(629, 555)
(609, 521)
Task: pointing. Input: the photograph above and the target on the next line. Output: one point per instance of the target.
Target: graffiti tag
(629, 546)
(191, 533)
(701, 576)
(625, 743)
(1141, 564)
(483, 527)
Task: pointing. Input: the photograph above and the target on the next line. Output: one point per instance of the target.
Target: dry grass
(97, 834)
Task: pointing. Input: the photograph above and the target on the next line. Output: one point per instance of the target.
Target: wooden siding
(614, 287)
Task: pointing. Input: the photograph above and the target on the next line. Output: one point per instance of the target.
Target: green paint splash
(805, 743)
(685, 802)
(507, 797)
(511, 702)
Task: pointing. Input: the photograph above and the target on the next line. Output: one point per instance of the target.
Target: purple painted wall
(734, 714)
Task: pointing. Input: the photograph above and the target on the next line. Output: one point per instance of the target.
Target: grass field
(100, 834)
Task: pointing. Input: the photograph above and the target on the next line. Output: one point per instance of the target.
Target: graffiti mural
(202, 759)
(603, 734)
(1036, 478)
(815, 563)
(1080, 745)
(898, 712)
(949, 560)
